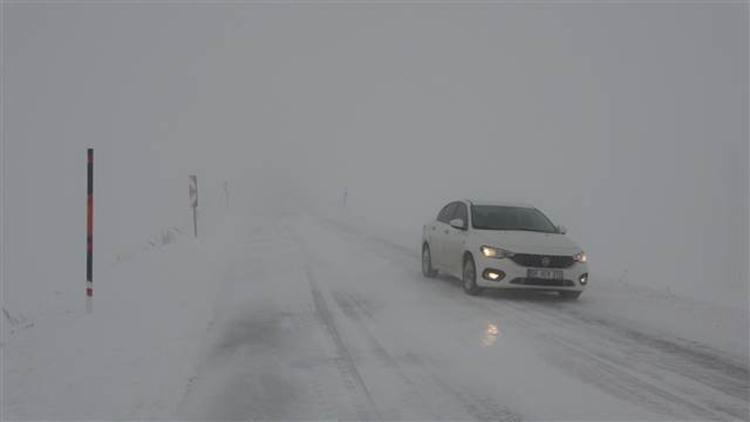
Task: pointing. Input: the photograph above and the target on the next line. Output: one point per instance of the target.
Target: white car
(502, 246)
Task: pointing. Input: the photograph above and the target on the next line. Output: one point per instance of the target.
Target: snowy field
(302, 317)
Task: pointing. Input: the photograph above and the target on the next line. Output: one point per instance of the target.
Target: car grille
(555, 261)
(542, 282)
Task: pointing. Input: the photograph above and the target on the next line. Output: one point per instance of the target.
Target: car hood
(529, 242)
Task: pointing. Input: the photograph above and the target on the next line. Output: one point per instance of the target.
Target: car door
(439, 231)
(454, 240)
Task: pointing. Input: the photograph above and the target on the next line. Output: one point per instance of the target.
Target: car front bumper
(515, 276)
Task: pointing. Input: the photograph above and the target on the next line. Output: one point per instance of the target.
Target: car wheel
(470, 277)
(427, 269)
(569, 294)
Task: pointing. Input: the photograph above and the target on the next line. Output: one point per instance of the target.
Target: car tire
(470, 277)
(427, 269)
(569, 294)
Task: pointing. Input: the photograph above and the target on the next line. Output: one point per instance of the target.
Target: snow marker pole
(226, 193)
(90, 230)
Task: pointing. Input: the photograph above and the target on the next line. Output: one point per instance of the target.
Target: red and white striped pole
(90, 230)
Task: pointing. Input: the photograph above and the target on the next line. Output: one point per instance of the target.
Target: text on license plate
(545, 274)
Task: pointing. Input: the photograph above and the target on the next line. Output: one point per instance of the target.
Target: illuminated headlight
(493, 274)
(498, 253)
(580, 257)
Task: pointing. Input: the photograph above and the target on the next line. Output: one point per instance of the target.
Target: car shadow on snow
(526, 295)
(520, 294)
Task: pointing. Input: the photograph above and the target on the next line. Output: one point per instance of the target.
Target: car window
(490, 217)
(461, 212)
(446, 214)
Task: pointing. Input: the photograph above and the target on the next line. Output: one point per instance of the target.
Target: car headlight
(498, 253)
(580, 257)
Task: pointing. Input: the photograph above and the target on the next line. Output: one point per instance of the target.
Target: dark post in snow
(226, 193)
(193, 189)
(90, 225)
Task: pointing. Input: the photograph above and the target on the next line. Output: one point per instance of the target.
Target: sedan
(495, 245)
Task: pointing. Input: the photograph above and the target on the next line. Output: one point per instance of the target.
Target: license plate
(545, 274)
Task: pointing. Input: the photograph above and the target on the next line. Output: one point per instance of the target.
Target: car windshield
(496, 217)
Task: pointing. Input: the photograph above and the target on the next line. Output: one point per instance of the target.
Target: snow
(128, 358)
(626, 123)
(230, 327)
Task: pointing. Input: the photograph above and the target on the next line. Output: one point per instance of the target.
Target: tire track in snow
(638, 382)
(471, 404)
(481, 408)
(352, 309)
(697, 361)
(624, 376)
(345, 362)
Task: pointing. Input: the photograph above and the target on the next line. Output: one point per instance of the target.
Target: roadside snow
(131, 358)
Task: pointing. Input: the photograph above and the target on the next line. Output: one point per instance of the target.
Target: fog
(625, 122)
(323, 136)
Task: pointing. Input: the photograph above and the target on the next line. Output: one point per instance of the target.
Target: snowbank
(131, 358)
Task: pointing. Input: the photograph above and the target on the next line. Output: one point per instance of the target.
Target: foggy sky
(625, 122)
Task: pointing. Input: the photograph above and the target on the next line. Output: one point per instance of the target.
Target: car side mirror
(457, 223)
(562, 229)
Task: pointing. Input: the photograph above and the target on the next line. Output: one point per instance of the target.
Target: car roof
(499, 203)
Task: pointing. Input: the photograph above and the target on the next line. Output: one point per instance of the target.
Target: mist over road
(322, 135)
(321, 320)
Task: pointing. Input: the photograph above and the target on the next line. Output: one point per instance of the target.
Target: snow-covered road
(316, 319)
